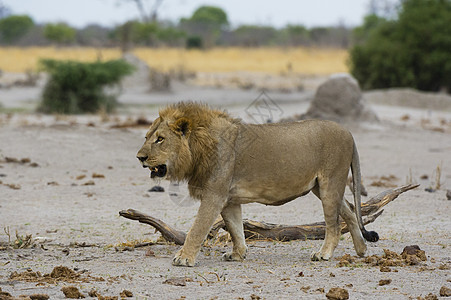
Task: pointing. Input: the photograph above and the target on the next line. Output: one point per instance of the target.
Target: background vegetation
(412, 50)
(404, 46)
(77, 87)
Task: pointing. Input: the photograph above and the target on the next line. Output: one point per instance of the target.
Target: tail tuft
(370, 236)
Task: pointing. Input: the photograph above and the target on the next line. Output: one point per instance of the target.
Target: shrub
(194, 42)
(410, 51)
(77, 87)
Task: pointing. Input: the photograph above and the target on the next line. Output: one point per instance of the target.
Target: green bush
(410, 51)
(59, 33)
(12, 28)
(77, 87)
(194, 42)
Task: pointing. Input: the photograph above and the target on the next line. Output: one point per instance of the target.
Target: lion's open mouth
(158, 171)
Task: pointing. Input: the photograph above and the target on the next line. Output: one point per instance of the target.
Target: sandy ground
(87, 172)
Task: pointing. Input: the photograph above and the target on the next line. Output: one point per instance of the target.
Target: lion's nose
(142, 158)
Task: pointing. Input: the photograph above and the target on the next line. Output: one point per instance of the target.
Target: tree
(206, 23)
(59, 33)
(210, 15)
(410, 51)
(12, 28)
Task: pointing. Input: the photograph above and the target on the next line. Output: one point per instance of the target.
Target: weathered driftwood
(169, 233)
(262, 230)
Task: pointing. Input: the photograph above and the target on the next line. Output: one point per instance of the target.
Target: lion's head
(179, 144)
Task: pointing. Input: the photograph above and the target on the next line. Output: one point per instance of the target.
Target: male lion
(228, 163)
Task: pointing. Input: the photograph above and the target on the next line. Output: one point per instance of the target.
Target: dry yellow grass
(267, 60)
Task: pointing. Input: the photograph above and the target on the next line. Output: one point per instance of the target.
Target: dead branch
(262, 230)
(169, 233)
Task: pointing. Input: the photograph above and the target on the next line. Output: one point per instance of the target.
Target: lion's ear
(182, 126)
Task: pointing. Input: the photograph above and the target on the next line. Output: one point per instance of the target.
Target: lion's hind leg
(331, 194)
(351, 220)
(233, 220)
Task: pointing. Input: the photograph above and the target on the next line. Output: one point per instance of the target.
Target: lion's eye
(159, 139)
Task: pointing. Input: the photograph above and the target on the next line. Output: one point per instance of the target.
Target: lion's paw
(233, 256)
(317, 256)
(181, 261)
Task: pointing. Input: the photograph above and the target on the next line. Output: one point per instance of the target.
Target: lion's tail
(370, 236)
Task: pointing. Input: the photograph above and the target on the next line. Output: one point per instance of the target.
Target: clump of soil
(346, 260)
(126, 294)
(72, 292)
(337, 293)
(28, 276)
(411, 255)
(64, 273)
(22, 161)
(58, 274)
(177, 281)
(384, 282)
(445, 291)
(4, 295)
(385, 181)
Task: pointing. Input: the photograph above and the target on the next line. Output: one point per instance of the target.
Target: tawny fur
(228, 163)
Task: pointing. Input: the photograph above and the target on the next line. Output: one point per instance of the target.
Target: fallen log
(169, 233)
(262, 230)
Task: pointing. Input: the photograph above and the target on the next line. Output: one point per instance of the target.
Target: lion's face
(166, 152)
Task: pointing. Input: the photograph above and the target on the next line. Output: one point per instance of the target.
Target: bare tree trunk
(262, 230)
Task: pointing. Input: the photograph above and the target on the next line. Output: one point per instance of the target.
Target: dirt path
(85, 175)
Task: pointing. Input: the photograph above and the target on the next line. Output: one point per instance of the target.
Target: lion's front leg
(234, 222)
(209, 210)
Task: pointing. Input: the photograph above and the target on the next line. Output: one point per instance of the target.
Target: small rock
(445, 291)
(384, 282)
(96, 175)
(4, 294)
(448, 194)
(72, 292)
(126, 294)
(157, 188)
(39, 297)
(177, 281)
(11, 159)
(89, 182)
(413, 250)
(384, 269)
(431, 296)
(79, 177)
(255, 297)
(337, 293)
(94, 293)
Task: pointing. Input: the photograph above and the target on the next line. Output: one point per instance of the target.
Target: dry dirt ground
(77, 173)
